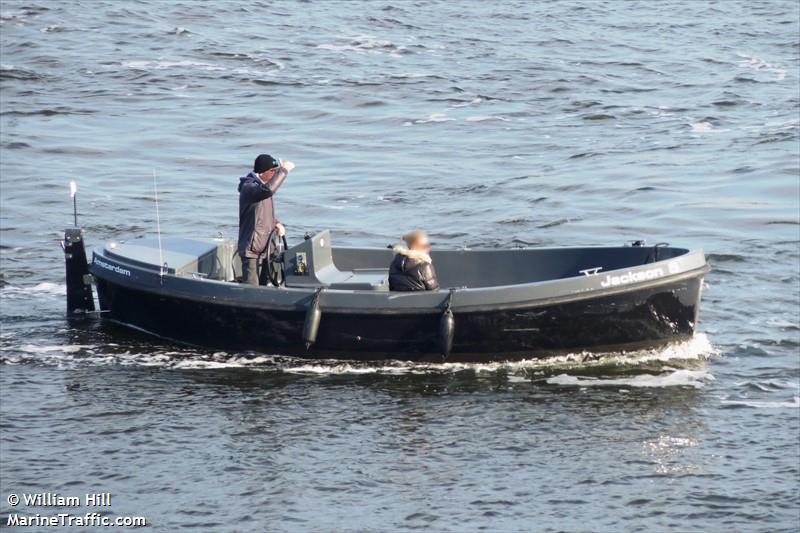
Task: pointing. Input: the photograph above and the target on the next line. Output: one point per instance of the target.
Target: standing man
(257, 212)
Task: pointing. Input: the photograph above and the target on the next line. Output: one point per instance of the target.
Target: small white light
(73, 188)
(322, 243)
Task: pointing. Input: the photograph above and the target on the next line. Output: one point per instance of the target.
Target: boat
(326, 301)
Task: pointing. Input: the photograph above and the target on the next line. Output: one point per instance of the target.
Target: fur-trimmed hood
(413, 254)
(412, 270)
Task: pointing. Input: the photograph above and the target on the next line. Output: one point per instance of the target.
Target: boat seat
(365, 279)
(310, 264)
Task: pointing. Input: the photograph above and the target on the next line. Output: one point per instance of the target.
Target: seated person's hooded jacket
(412, 270)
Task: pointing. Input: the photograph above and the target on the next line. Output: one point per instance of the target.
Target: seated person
(412, 268)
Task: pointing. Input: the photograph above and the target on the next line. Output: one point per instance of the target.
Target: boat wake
(675, 378)
(680, 364)
(42, 289)
(762, 404)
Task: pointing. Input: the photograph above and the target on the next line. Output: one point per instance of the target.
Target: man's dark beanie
(263, 163)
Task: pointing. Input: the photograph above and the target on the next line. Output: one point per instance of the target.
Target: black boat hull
(636, 318)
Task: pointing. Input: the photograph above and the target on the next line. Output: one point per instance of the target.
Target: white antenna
(73, 191)
(158, 226)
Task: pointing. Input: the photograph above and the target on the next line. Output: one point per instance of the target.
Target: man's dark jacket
(412, 271)
(257, 212)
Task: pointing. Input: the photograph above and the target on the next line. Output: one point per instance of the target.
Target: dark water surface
(521, 123)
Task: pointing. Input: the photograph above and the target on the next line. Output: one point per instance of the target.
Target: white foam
(769, 385)
(203, 364)
(474, 101)
(486, 118)
(781, 323)
(57, 289)
(434, 117)
(221, 360)
(411, 75)
(161, 65)
(702, 127)
(50, 288)
(757, 64)
(44, 289)
(260, 72)
(676, 378)
(697, 349)
(757, 404)
(344, 368)
(62, 348)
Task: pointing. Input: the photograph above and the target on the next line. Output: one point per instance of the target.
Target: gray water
(515, 124)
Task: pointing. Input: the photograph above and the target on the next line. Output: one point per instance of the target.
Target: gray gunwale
(525, 295)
